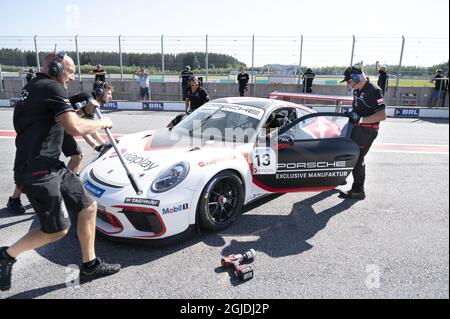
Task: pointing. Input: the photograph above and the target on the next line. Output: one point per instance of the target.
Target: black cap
(355, 69)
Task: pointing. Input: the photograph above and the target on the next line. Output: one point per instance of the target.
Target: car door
(313, 153)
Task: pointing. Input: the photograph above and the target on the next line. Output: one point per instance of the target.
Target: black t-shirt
(369, 100)
(440, 84)
(39, 136)
(309, 77)
(185, 77)
(197, 98)
(382, 79)
(99, 77)
(243, 79)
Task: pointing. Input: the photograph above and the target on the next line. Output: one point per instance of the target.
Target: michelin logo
(94, 190)
(142, 201)
(176, 209)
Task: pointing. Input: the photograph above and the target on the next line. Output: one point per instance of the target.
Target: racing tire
(221, 201)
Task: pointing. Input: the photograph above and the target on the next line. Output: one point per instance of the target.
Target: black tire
(221, 201)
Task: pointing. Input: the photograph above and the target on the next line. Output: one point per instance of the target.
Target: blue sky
(231, 17)
(376, 18)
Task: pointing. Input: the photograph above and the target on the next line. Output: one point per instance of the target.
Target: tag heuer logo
(142, 201)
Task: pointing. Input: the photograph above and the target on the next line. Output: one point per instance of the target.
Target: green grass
(214, 77)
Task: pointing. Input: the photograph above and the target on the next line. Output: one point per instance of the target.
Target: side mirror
(286, 140)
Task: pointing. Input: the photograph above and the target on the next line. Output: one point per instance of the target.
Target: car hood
(147, 154)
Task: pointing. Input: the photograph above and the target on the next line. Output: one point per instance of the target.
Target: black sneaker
(352, 195)
(6, 265)
(15, 206)
(101, 269)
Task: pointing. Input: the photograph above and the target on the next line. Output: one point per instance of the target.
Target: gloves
(353, 116)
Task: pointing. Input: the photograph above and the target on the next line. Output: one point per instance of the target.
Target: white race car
(226, 154)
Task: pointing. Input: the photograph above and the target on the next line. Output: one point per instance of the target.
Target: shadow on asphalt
(278, 236)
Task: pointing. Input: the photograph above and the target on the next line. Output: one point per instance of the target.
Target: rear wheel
(221, 201)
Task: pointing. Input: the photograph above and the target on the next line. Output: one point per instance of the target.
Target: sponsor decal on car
(175, 209)
(94, 190)
(217, 160)
(141, 161)
(241, 109)
(142, 201)
(312, 165)
(332, 174)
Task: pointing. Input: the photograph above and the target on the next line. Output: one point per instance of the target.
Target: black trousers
(242, 90)
(364, 137)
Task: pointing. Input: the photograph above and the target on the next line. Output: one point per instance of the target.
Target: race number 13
(264, 161)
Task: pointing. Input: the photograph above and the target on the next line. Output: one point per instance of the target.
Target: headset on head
(56, 67)
(356, 74)
(356, 77)
(99, 89)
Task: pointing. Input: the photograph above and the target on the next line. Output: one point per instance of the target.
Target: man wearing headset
(101, 95)
(42, 114)
(368, 111)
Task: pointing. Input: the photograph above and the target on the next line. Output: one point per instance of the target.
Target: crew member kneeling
(369, 110)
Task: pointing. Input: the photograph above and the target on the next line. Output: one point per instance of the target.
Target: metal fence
(255, 51)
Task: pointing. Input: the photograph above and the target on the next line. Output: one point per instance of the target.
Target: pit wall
(129, 91)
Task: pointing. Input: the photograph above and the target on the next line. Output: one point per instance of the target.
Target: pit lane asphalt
(395, 244)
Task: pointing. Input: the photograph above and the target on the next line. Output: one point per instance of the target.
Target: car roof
(261, 103)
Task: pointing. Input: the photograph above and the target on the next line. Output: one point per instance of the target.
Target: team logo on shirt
(23, 95)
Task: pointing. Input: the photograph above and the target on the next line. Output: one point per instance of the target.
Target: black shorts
(53, 195)
(70, 147)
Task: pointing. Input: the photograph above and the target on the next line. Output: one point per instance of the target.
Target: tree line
(172, 62)
(16, 60)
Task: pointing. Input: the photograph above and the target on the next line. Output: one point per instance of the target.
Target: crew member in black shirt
(368, 111)
(70, 148)
(383, 77)
(186, 76)
(440, 88)
(100, 74)
(41, 116)
(243, 79)
(308, 78)
(196, 95)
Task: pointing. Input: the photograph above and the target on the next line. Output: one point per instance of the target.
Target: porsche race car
(227, 154)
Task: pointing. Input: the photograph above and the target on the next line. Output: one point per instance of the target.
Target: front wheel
(221, 201)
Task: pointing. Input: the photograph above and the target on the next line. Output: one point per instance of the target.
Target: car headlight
(170, 178)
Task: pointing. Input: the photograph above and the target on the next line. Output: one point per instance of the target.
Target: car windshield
(222, 122)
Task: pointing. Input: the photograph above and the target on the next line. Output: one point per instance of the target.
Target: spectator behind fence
(144, 84)
(243, 79)
(30, 75)
(383, 77)
(308, 78)
(186, 75)
(440, 88)
(100, 74)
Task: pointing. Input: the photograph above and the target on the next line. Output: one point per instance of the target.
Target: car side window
(281, 117)
(320, 127)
